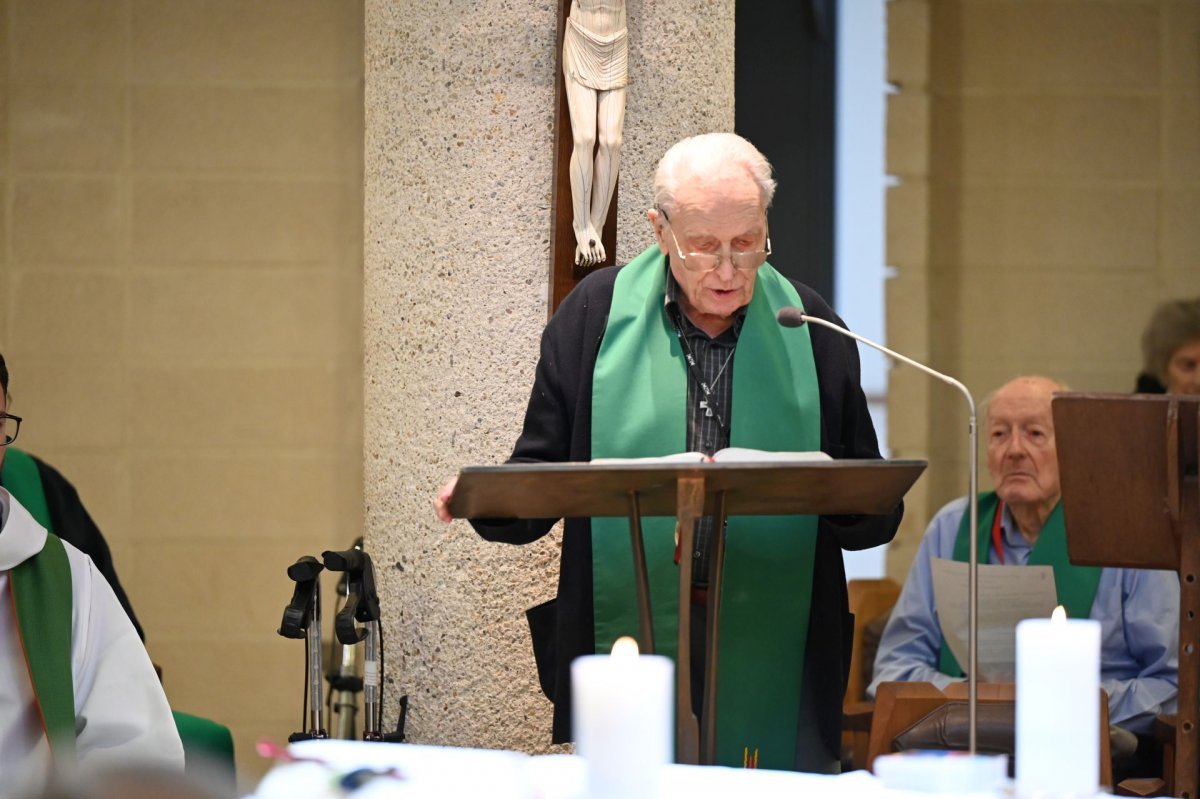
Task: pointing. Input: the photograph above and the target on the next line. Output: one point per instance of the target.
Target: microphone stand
(795, 317)
(302, 619)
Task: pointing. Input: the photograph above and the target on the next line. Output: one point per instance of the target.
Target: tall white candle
(622, 719)
(1058, 706)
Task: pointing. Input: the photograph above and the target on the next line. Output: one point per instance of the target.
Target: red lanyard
(997, 536)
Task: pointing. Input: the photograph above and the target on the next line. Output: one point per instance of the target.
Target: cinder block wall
(180, 289)
(1048, 156)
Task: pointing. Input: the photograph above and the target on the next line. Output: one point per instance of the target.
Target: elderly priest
(676, 351)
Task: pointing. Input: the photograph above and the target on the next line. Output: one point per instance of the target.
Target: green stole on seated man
(41, 594)
(639, 397)
(1074, 585)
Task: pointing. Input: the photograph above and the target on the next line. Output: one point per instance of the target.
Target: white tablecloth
(433, 771)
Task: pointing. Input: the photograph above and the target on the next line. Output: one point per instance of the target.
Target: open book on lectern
(727, 455)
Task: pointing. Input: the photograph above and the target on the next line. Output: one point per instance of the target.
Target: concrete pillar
(459, 117)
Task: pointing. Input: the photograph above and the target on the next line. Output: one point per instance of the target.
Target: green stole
(639, 397)
(40, 589)
(1074, 585)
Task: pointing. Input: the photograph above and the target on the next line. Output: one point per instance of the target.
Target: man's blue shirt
(1138, 611)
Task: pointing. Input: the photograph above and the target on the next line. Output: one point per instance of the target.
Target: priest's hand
(441, 503)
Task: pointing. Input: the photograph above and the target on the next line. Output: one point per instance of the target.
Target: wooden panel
(557, 490)
(1117, 486)
(1131, 497)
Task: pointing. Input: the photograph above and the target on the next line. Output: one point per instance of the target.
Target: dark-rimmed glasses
(708, 261)
(8, 433)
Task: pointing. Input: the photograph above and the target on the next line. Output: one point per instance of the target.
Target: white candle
(1058, 706)
(621, 710)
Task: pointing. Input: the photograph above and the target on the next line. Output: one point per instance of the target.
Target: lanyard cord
(694, 369)
(997, 538)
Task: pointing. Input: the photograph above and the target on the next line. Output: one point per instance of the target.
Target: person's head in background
(1171, 346)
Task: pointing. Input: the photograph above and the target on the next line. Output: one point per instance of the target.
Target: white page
(746, 455)
(666, 460)
(727, 455)
(1007, 594)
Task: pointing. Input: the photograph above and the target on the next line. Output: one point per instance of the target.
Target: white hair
(708, 153)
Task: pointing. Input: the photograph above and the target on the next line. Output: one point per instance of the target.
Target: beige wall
(1048, 153)
(180, 289)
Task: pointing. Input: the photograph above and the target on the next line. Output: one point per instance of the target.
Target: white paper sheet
(1006, 596)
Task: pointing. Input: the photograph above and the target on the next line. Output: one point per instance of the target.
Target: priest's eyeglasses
(745, 260)
(9, 427)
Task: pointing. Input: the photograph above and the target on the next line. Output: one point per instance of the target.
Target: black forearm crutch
(345, 682)
(362, 604)
(302, 619)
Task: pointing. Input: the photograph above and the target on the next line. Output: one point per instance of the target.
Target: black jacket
(558, 428)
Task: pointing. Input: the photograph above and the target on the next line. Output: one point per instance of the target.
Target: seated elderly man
(1022, 523)
(76, 684)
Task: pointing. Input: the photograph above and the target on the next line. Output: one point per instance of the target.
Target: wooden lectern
(1131, 498)
(686, 491)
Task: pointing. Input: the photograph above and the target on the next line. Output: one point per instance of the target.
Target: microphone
(791, 317)
(796, 317)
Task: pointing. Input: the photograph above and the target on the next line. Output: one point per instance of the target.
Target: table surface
(435, 771)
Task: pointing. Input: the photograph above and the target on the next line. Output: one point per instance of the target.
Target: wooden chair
(869, 599)
(1164, 733)
(898, 705)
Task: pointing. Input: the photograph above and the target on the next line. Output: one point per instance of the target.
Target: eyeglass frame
(5, 440)
(721, 255)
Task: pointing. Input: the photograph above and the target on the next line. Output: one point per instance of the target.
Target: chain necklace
(721, 371)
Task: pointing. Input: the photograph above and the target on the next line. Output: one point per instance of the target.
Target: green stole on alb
(41, 595)
(1075, 586)
(639, 398)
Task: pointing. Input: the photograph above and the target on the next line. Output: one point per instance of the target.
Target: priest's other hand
(441, 503)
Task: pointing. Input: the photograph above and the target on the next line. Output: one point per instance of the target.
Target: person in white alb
(99, 702)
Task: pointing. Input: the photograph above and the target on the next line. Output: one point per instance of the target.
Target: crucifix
(589, 118)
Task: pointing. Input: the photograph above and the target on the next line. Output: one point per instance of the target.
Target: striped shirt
(708, 416)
